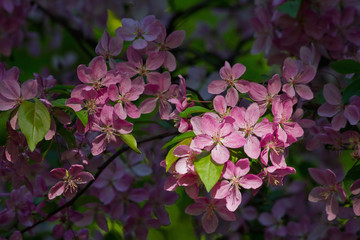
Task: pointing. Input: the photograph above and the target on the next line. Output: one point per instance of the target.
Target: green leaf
(209, 171)
(4, 116)
(352, 89)
(130, 141)
(351, 176)
(60, 103)
(195, 109)
(290, 7)
(83, 116)
(179, 138)
(170, 157)
(34, 121)
(346, 66)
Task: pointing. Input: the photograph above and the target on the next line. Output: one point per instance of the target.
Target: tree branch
(75, 33)
(97, 174)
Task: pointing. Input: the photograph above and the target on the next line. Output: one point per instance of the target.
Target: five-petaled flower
(71, 179)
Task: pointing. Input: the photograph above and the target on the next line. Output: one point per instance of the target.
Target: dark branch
(97, 174)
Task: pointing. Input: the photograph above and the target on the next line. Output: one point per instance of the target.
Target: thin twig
(97, 174)
(75, 33)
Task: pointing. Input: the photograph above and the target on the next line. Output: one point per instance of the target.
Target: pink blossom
(287, 130)
(264, 96)
(334, 107)
(109, 46)
(110, 128)
(136, 65)
(297, 76)
(355, 189)
(11, 94)
(230, 76)
(127, 92)
(71, 179)
(275, 175)
(142, 32)
(159, 86)
(173, 40)
(273, 145)
(208, 207)
(327, 192)
(236, 178)
(97, 75)
(217, 137)
(246, 121)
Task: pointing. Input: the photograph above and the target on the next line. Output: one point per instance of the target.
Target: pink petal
(252, 147)
(257, 92)
(83, 178)
(307, 74)
(120, 111)
(355, 187)
(203, 141)
(148, 105)
(98, 67)
(251, 181)
(290, 69)
(242, 167)
(332, 207)
(352, 114)
(242, 86)
(274, 85)
(175, 39)
(220, 105)
(233, 200)
(229, 172)
(56, 190)
(252, 114)
(221, 189)
(210, 125)
(289, 90)
(323, 177)
(238, 70)
(220, 154)
(75, 169)
(29, 89)
(217, 86)
(132, 110)
(232, 97)
(139, 44)
(332, 94)
(339, 121)
(59, 173)
(328, 110)
(209, 221)
(304, 91)
(98, 145)
(234, 140)
(181, 166)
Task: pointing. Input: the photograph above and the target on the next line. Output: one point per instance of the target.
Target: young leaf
(179, 138)
(34, 121)
(290, 7)
(60, 103)
(195, 109)
(170, 157)
(209, 171)
(346, 66)
(130, 141)
(4, 116)
(83, 116)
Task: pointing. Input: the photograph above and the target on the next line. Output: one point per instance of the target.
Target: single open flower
(71, 179)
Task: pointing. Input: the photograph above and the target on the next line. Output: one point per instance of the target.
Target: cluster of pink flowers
(246, 133)
(330, 27)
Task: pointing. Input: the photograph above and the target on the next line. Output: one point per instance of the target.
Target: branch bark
(97, 174)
